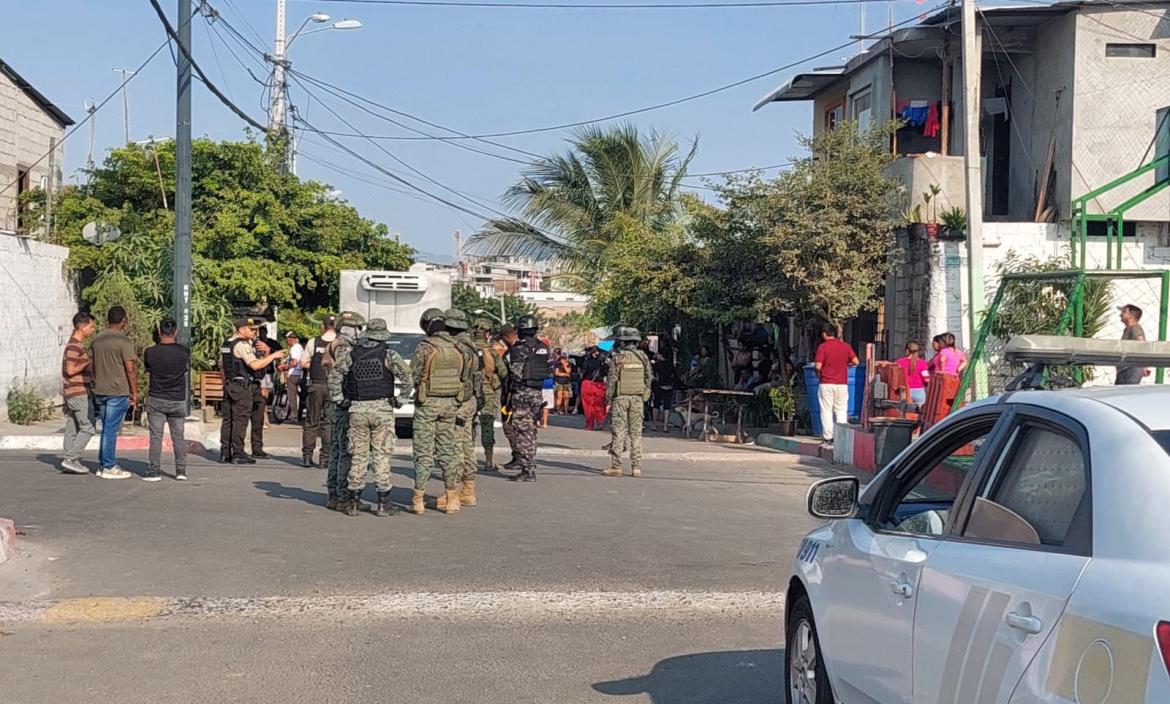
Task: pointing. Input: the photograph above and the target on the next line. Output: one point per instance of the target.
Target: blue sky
(477, 70)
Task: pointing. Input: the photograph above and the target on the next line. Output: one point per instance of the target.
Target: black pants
(318, 424)
(256, 417)
(236, 411)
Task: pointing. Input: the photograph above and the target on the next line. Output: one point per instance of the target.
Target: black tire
(279, 410)
(799, 617)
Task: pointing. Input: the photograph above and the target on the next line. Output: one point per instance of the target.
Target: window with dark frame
(22, 186)
(1131, 51)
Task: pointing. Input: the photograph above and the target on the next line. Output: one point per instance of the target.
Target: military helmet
(456, 319)
(429, 316)
(350, 319)
(482, 324)
(527, 324)
(627, 333)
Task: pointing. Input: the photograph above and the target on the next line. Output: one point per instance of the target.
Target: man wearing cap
(1131, 317)
(240, 366)
(339, 459)
(438, 371)
(362, 381)
(494, 374)
(316, 376)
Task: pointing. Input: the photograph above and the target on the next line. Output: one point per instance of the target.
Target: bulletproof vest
(536, 370)
(488, 362)
(318, 374)
(631, 374)
(443, 374)
(232, 366)
(368, 379)
(474, 367)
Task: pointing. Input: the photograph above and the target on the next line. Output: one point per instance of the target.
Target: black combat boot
(307, 460)
(385, 507)
(352, 502)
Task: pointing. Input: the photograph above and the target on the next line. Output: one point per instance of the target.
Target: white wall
(25, 132)
(36, 314)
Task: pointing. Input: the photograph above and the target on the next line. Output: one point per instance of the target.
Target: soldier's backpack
(443, 372)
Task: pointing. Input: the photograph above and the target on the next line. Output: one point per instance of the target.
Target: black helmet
(527, 325)
(429, 316)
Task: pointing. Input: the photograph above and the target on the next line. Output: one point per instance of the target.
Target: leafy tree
(467, 299)
(260, 238)
(573, 207)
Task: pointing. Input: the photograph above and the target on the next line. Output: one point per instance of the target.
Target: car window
(1033, 497)
(404, 342)
(931, 487)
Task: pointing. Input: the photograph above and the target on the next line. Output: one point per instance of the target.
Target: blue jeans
(110, 410)
(918, 396)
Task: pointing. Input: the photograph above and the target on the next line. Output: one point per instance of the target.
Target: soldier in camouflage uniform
(348, 326)
(439, 373)
(627, 389)
(362, 379)
(457, 325)
(528, 369)
(494, 374)
(507, 338)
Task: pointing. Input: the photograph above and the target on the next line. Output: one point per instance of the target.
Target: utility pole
(49, 189)
(181, 260)
(972, 107)
(276, 111)
(126, 74)
(91, 109)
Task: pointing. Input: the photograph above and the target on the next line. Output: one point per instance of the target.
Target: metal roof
(45, 104)
(802, 86)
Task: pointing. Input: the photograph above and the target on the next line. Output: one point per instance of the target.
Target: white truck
(399, 298)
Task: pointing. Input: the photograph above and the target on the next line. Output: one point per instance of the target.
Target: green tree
(573, 207)
(467, 299)
(259, 238)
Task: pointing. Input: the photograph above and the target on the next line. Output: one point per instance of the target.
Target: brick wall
(25, 130)
(37, 304)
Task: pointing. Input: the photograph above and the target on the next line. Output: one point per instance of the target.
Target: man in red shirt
(833, 360)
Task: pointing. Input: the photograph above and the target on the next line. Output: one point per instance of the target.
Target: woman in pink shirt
(947, 357)
(915, 369)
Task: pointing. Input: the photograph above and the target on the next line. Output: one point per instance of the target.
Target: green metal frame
(1073, 313)
(1115, 218)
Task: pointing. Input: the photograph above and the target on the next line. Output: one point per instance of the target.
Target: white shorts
(266, 382)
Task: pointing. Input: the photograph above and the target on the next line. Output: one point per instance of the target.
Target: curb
(7, 539)
(54, 443)
(794, 446)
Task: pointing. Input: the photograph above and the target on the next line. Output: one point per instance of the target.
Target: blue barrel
(812, 383)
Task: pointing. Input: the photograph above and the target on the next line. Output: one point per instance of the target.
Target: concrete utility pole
(972, 107)
(181, 291)
(276, 114)
(49, 189)
(126, 74)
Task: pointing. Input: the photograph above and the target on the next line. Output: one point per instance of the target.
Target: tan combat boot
(467, 494)
(615, 471)
(636, 471)
(416, 502)
(451, 505)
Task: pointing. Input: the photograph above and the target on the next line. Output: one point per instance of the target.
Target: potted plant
(954, 222)
(783, 397)
(931, 208)
(915, 225)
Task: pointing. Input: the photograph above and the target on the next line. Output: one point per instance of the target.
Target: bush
(25, 406)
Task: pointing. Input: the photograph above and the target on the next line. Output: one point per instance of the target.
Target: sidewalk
(50, 435)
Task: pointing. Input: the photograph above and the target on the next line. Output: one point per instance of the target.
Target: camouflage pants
(465, 439)
(434, 442)
(338, 458)
(371, 436)
(487, 418)
(527, 405)
(625, 421)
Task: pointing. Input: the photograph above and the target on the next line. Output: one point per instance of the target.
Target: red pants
(593, 401)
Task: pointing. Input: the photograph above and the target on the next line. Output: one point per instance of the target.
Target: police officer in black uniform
(240, 367)
(529, 366)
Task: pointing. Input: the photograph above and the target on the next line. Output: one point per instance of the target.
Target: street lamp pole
(181, 259)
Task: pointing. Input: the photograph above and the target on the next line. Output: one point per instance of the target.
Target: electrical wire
(734, 4)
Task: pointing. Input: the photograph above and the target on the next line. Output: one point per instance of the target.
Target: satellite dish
(99, 233)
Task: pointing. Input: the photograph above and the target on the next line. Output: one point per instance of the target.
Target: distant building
(556, 303)
(29, 123)
(500, 276)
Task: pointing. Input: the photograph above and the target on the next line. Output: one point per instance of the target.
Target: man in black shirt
(167, 363)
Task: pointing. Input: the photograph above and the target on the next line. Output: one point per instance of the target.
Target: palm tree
(572, 207)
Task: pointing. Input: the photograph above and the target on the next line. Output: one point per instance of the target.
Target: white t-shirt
(294, 359)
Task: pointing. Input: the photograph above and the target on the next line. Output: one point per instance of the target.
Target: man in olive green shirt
(115, 387)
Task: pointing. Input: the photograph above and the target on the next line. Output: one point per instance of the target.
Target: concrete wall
(919, 172)
(36, 310)
(1116, 100)
(25, 130)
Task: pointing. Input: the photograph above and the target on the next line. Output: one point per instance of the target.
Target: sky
(477, 70)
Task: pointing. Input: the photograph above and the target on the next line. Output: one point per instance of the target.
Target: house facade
(1073, 96)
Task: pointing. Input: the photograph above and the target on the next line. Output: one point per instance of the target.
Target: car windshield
(1163, 438)
(404, 342)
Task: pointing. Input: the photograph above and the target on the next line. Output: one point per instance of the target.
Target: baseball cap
(291, 333)
(243, 321)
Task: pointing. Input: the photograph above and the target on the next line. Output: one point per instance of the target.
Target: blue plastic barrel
(812, 383)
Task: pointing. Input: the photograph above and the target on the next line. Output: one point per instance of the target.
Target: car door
(872, 580)
(993, 591)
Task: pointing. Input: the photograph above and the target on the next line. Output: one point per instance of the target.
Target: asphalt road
(239, 586)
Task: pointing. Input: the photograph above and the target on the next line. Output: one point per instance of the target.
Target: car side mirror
(834, 498)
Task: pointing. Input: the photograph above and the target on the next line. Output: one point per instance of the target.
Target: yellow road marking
(103, 609)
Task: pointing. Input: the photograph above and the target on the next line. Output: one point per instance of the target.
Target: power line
(99, 106)
(735, 4)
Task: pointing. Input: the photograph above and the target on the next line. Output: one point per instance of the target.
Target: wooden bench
(209, 390)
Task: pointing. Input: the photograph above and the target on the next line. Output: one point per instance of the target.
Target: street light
(493, 316)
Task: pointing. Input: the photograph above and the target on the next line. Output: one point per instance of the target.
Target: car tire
(805, 678)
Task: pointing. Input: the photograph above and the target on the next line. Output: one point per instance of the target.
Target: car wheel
(805, 679)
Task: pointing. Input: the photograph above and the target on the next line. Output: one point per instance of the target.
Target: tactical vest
(318, 374)
(631, 374)
(488, 360)
(536, 370)
(233, 367)
(368, 379)
(443, 372)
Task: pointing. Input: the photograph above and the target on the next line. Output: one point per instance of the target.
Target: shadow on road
(276, 490)
(732, 677)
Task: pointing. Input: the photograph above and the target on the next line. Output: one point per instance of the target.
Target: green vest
(443, 375)
(631, 374)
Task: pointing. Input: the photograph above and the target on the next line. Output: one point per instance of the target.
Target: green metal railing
(1115, 218)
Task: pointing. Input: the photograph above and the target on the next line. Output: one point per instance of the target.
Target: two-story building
(1073, 96)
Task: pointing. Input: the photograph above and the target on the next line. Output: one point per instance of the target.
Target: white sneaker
(149, 477)
(73, 467)
(181, 477)
(114, 472)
